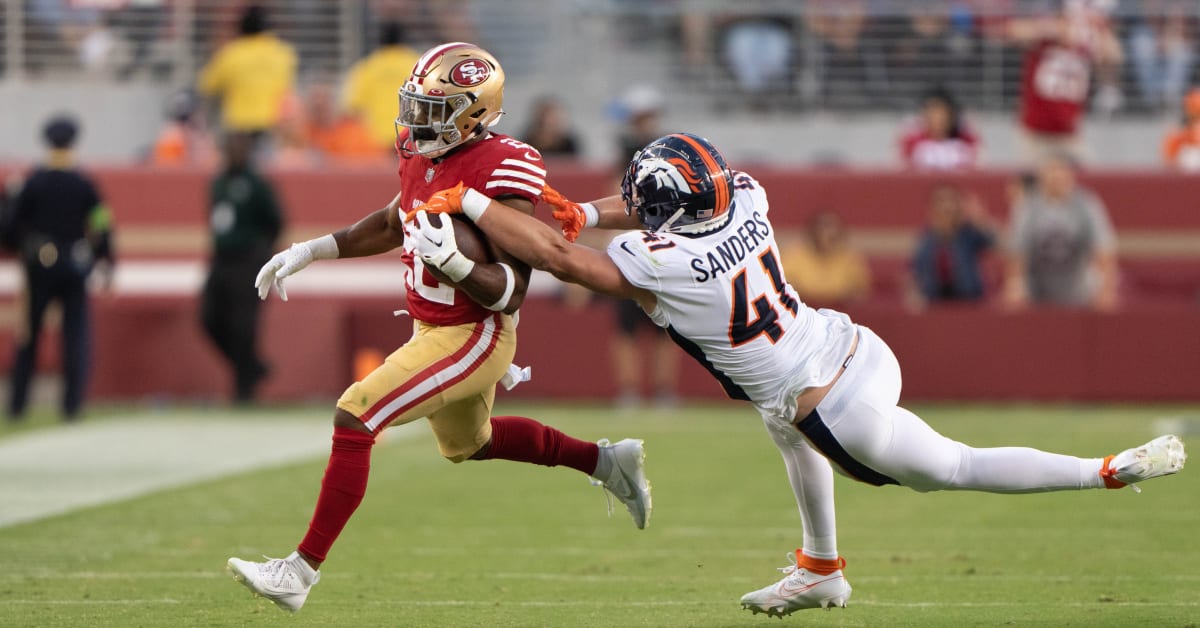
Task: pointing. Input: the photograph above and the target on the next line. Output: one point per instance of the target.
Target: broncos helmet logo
(673, 174)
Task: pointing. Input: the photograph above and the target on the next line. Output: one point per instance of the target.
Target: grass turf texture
(502, 544)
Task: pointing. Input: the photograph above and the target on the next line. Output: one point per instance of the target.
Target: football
(470, 239)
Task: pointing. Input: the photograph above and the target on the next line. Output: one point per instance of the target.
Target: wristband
(474, 204)
(591, 215)
(324, 247)
(457, 267)
(510, 283)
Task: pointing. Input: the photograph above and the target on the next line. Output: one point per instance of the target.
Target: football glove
(568, 213)
(438, 249)
(287, 263)
(447, 201)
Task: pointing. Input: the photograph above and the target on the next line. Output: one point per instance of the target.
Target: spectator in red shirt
(1062, 52)
(939, 139)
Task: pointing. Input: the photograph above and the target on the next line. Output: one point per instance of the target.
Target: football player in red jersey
(464, 336)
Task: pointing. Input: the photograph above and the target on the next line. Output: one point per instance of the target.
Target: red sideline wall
(174, 196)
(154, 347)
(147, 346)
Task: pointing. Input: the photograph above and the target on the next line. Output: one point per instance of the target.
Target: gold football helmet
(455, 93)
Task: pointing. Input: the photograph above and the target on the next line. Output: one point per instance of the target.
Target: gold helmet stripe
(429, 57)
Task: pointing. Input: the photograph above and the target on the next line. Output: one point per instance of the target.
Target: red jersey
(496, 166)
(1054, 87)
(922, 151)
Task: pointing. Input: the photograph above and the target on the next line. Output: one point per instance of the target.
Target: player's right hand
(568, 213)
(447, 201)
(281, 266)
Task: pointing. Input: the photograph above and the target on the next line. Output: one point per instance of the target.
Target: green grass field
(501, 544)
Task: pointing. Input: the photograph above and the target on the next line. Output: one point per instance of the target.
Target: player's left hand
(568, 213)
(447, 201)
(437, 247)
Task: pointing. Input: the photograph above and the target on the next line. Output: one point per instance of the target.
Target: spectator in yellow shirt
(373, 86)
(824, 269)
(251, 75)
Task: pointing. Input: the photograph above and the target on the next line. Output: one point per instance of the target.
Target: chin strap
(700, 227)
(666, 226)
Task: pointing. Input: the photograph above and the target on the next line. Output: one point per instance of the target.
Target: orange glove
(447, 201)
(568, 213)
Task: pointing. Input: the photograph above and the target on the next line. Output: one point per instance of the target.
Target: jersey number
(414, 278)
(441, 293)
(766, 318)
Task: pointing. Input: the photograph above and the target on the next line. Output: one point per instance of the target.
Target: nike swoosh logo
(786, 590)
(621, 488)
(434, 242)
(532, 157)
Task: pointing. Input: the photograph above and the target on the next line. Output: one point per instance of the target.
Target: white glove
(438, 248)
(287, 263)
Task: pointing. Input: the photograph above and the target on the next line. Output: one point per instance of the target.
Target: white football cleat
(627, 479)
(284, 581)
(1161, 456)
(798, 590)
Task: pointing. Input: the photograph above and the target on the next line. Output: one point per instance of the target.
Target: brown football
(470, 239)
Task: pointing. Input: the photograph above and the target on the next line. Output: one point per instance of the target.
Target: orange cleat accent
(1108, 474)
(820, 566)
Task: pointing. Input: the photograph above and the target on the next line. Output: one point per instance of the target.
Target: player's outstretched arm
(379, 232)
(539, 245)
(609, 212)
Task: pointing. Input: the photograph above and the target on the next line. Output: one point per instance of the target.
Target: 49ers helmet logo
(470, 72)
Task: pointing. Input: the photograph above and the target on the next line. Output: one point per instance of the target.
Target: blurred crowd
(252, 81)
(250, 105)
(872, 53)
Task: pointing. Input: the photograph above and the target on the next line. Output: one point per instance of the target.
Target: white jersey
(722, 297)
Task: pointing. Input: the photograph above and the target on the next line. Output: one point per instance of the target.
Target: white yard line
(54, 471)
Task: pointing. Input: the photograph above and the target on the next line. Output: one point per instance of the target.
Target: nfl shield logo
(429, 175)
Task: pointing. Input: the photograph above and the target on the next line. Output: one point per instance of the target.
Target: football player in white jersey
(706, 267)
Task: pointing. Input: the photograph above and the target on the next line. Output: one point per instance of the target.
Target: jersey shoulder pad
(511, 167)
(641, 256)
(749, 191)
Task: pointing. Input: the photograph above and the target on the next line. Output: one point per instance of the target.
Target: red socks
(345, 482)
(525, 440)
(342, 490)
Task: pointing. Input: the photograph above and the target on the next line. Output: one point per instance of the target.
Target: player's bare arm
(488, 284)
(607, 213)
(611, 213)
(379, 232)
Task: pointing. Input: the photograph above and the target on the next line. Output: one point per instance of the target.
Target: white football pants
(860, 430)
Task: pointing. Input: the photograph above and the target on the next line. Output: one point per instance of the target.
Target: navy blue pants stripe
(818, 433)
(733, 390)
